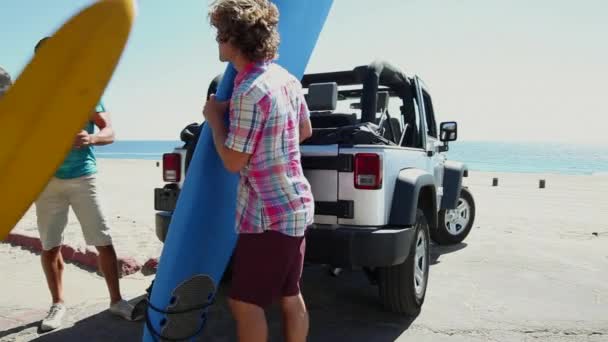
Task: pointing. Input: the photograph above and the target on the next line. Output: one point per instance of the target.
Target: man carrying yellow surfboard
(74, 184)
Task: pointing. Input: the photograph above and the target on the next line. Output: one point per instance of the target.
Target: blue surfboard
(201, 235)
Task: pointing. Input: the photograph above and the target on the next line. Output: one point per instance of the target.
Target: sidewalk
(26, 301)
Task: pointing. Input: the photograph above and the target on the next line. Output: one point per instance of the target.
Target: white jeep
(382, 184)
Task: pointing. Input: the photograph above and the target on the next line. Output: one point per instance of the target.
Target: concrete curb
(86, 257)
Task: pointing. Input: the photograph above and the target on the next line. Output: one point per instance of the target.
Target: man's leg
(52, 216)
(52, 265)
(108, 264)
(295, 315)
(295, 318)
(85, 202)
(250, 320)
(257, 277)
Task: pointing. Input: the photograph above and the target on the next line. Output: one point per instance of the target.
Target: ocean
(558, 158)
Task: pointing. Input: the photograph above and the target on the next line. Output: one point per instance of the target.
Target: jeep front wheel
(454, 225)
(403, 286)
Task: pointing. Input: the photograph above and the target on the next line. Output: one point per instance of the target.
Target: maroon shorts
(266, 267)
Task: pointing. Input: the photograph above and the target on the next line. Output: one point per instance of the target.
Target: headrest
(322, 97)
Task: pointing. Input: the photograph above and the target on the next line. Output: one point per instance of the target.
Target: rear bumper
(163, 218)
(343, 246)
(165, 200)
(355, 246)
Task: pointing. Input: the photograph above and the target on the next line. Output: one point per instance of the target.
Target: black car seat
(322, 99)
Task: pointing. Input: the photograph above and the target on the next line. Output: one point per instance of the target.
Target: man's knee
(53, 257)
(244, 311)
(294, 305)
(51, 253)
(106, 250)
(241, 306)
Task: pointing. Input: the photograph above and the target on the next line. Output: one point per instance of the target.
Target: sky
(505, 70)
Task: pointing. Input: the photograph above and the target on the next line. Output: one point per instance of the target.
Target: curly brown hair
(250, 25)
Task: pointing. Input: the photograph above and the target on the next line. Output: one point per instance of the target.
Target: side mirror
(449, 131)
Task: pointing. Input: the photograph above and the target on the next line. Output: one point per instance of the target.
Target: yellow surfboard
(53, 99)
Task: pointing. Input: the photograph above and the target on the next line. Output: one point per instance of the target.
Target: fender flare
(410, 185)
(453, 172)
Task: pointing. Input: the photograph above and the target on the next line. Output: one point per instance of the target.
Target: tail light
(368, 171)
(172, 167)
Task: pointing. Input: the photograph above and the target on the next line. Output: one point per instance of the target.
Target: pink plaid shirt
(265, 111)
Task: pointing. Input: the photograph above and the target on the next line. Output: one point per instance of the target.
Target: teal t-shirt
(80, 162)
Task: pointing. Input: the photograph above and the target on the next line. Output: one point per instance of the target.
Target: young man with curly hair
(268, 120)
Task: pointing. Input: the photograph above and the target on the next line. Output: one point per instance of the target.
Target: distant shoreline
(526, 158)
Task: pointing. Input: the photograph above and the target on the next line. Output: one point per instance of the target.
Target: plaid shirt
(266, 109)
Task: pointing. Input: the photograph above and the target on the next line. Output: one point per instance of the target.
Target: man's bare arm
(105, 135)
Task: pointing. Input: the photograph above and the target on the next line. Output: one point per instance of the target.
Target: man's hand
(82, 139)
(214, 111)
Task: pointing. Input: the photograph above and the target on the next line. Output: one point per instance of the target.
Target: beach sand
(570, 208)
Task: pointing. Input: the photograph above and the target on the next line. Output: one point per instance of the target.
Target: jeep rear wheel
(403, 286)
(454, 225)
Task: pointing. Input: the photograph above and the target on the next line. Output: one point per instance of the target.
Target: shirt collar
(250, 68)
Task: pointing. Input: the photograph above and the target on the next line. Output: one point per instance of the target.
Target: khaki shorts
(52, 212)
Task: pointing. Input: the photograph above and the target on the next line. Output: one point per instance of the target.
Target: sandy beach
(569, 209)
(535, 266)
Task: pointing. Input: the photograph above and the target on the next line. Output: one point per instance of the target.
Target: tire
(403, 287)
(454, 225)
